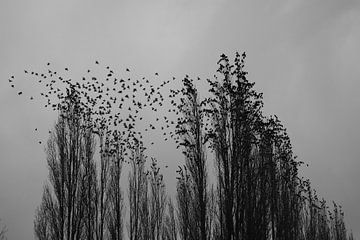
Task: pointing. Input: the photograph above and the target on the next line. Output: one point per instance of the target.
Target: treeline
(256, 193)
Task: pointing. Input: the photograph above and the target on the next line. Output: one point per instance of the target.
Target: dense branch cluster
(256, 192)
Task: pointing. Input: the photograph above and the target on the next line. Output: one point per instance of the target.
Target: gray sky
(303, 56)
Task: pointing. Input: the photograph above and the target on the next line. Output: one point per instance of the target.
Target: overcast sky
(302, 54)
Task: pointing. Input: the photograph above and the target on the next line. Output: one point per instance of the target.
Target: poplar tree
(62, 209)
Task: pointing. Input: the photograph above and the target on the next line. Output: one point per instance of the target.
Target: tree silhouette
(190, 130)
(138, 227)
(170, 226)
(115, 221)
(234, 112)
(157, 201)
(187, 229)
(102, 198)
(90, 188)
(63, 200)
(256, 193)
(3, 231)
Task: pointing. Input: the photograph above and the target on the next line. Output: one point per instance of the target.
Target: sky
(302, 55)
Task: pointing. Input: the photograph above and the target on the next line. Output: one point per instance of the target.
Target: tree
(102, 198)
(115, 196)
(184, 197)
(3, 231)
(234, 111)
(157, 201)
(62, 209)
(258, 185)
(90, 183)
(138, 196)
(190, 130)
(170, 227)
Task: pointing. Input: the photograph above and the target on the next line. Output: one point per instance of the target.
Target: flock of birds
(117, 105)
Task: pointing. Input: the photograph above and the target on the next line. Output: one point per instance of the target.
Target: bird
(19, 93)
(127, 70)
